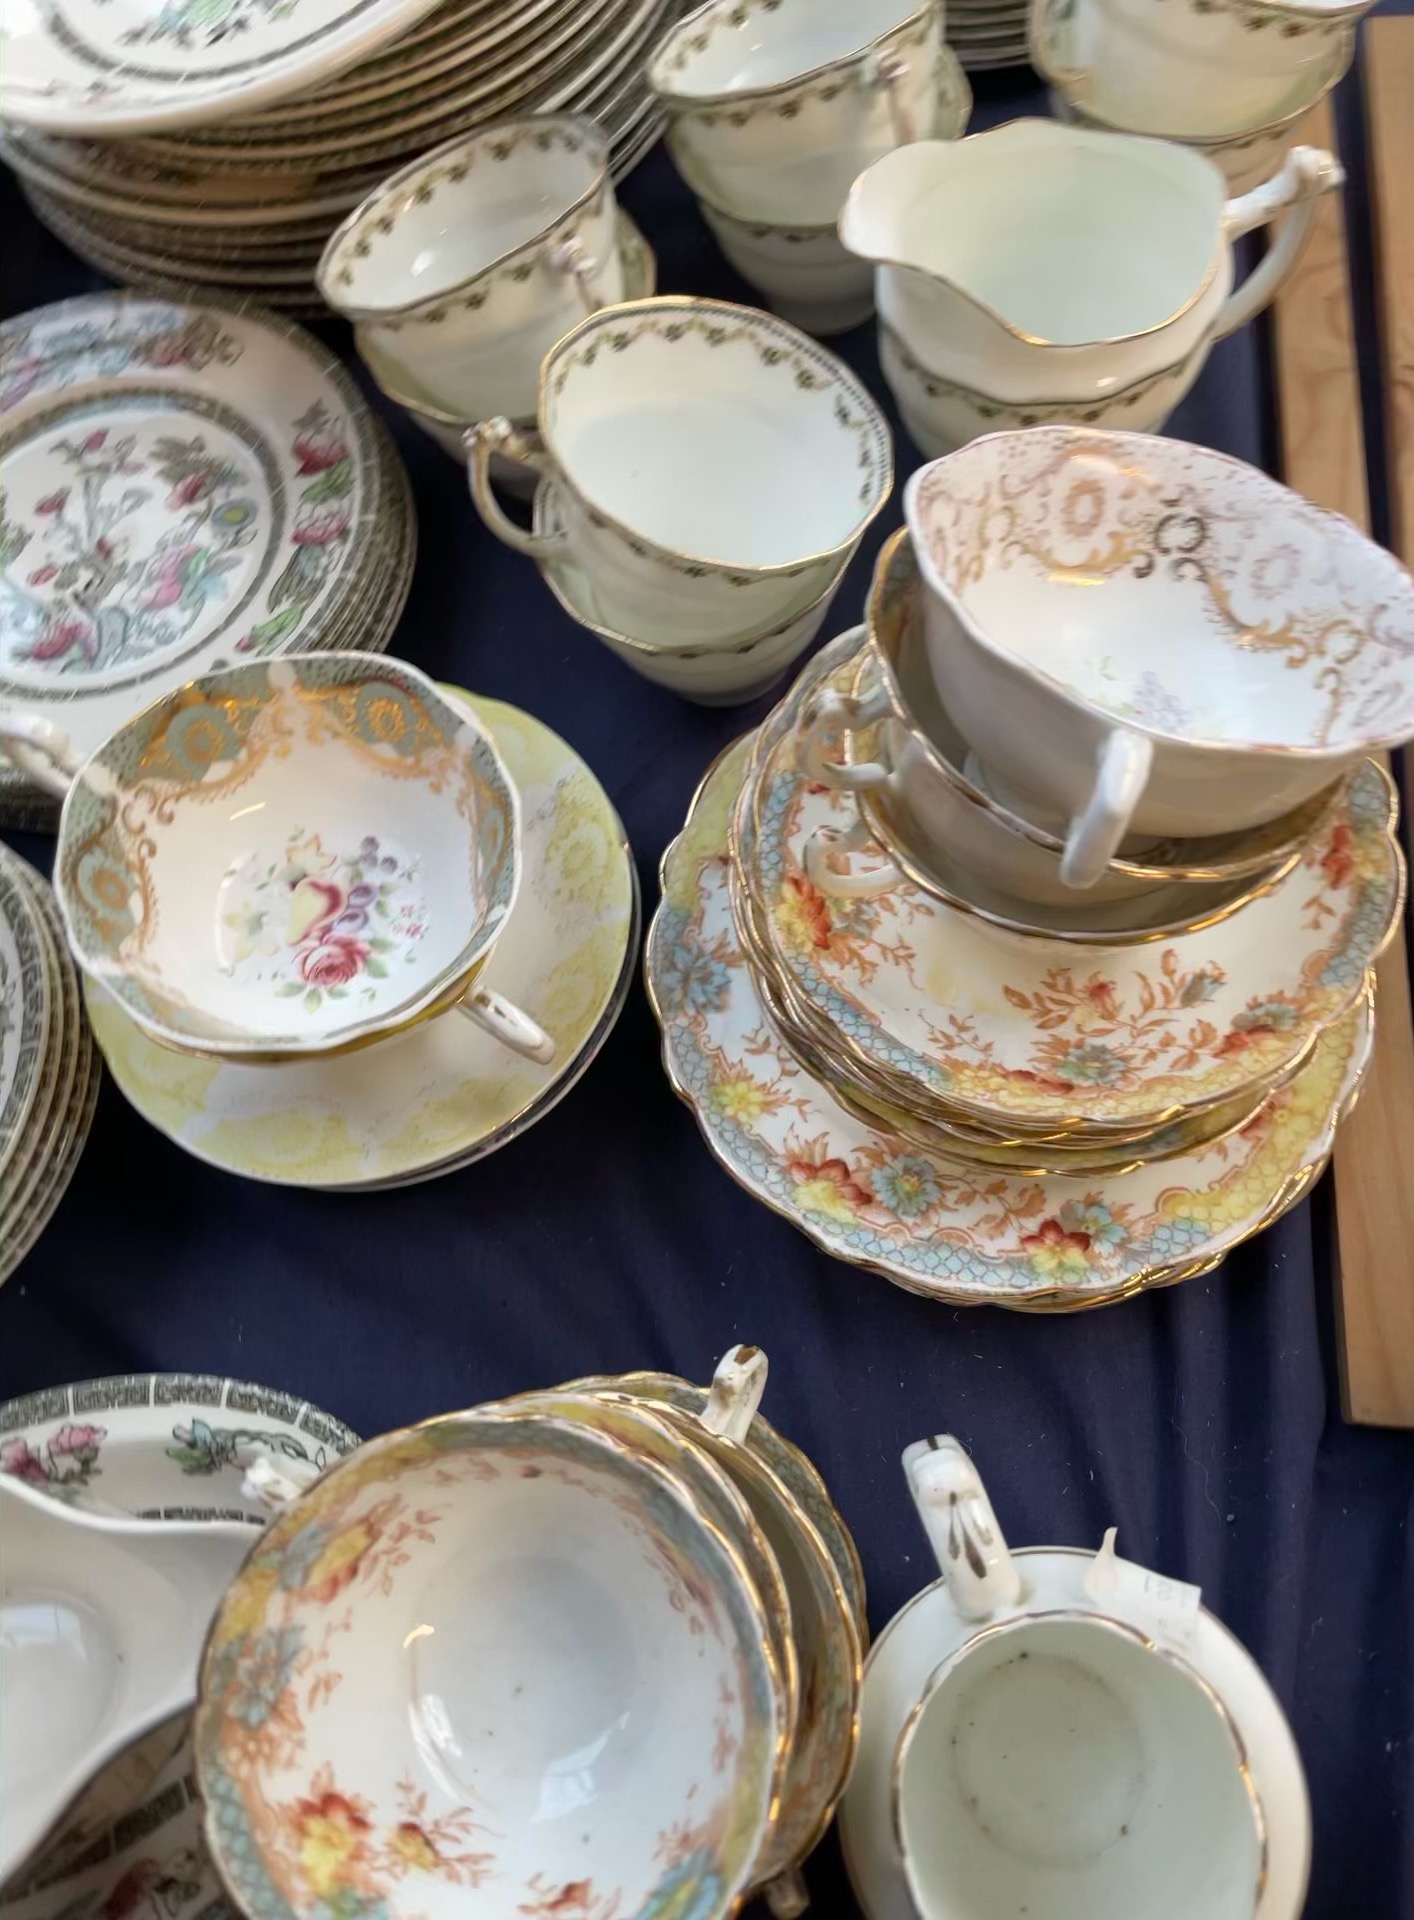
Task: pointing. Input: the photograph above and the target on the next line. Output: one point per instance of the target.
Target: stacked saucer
(988, 33)
(241, 150)
(633, 1623)
(49, 1072)
(185, 484)
(899, 1026)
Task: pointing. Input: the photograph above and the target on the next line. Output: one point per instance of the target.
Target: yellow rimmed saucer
(442, 1095)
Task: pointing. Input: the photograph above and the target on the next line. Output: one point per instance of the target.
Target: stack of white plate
(182, 484)
(988, 33)
(49, 1071)
(202, 190)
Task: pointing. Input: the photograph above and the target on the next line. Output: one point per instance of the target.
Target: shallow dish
(518, 1591)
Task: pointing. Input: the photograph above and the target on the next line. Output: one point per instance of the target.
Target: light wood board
(1318, 393)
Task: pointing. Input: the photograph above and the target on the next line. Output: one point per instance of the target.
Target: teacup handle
(962, 1529)
(572, 257)
(890, 69)
(40, 749)
(828, 846)
(1121, 774)
(1306, 174)
(505, 1022)
(827, 716)
(499, 436)
(735, 1393)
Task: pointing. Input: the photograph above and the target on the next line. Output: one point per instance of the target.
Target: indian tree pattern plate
(26, 1013)
(1010, 1027)
(181, 486)
(162, 1446)
(870, 1199)
(125, 66)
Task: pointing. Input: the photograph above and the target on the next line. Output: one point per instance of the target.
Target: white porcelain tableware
(358, 883)
(1207, 73)
(805, 272)
(557, 1674)
(775, 105)
(889, 739)
(718, 673)
(1042, 272)
(1069, 573)
(465, 268)
(1151, 1713)
(715, 467)
(101, 1627)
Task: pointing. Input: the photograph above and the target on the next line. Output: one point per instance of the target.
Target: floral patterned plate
(181, 485)
(945, 1007)
(161, 1446)
(870, 1199)
(25, 1007)
(443, 1095)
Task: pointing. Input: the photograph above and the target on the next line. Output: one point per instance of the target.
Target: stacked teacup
(354, 886)
(706, 473)
(1233, 84)
(1059, 883)
(774, 107)
(592, 1650)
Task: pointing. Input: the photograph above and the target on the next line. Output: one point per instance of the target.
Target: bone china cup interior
(289, 857)
(496, 1664)
(1063, 1766)
(774, 106)
(1037, 270)
(1148, 636)
(715, 467)
(463, 269)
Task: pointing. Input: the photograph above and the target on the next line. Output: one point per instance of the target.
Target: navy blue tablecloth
(1204, 1421)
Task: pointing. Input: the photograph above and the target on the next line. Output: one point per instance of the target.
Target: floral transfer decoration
(968, 1234)
(300, 1834)
(939, 1003)
(319, 922)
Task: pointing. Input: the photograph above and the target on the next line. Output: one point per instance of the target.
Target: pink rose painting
(64, 1462)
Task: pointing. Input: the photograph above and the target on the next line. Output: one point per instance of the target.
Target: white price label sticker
(1166, 1610)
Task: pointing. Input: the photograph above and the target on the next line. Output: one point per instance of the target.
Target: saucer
(444, 1094)
(1046, 1033)
(864, 1196)
(928, 1629)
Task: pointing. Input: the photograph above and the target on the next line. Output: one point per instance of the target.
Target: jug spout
(880, 220)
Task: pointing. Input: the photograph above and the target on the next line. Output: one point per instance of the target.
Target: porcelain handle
(1121, 774)
(499, 436)
(506, 1023)
(826, 850)
(735, 1393)
(890, 70)
(1306, 175)
(826, 717)
(40, 749)
(962, 1529)
(573, 258)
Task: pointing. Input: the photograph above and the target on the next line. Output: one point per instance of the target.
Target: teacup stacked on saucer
(1023, 951)
(706, 473)
(289, 862)
(594, 1649)
(49, 1072)
(773, 109)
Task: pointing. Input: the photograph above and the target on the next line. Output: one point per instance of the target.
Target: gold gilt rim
(1088, 135)
(1102, 1622)
(727, 1907)
(754, 317)
(1024, 829)
(1133, 1125)
(1042, 1300)
(685, 103)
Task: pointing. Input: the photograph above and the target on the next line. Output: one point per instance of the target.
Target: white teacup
(465, 267)
(715, 468)
(1066, 1761)
(775, 105)
(1149, 637)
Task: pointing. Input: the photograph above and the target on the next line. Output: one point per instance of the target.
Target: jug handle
(499, 436)
(1121, 774)
(39, 749)
(1306, 174)
(962, 1529)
